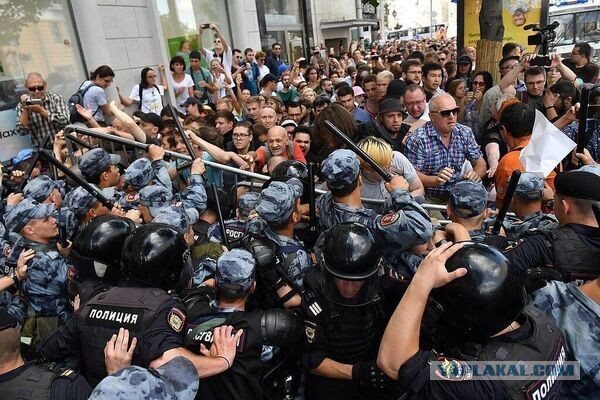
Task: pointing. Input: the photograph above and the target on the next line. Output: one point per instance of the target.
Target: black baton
(220, 214)
(510, 190)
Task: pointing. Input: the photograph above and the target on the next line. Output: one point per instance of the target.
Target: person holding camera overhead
(40, 112)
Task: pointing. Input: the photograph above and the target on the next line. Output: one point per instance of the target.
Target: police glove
(368, 374)
(269, 275)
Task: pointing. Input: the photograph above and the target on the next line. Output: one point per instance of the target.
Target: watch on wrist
(15, 279)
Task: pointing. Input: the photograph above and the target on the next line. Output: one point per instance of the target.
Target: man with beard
(278, 144)
(388, 124)
(303, 137)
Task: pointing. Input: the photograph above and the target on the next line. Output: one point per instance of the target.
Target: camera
(544, 36)
(33, 102)
(541, 61)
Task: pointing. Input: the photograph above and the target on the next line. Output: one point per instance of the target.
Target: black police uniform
(33, 382)
(243, 379)
(151, 315)
(568, 253)
(537, 339)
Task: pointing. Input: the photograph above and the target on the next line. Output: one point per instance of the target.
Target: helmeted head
(483, 302)
(96, 251)
(235, 272)
(292, 169)
(340, 169)
(277, 202)
(350, 261)
(468, 199)
(154, 254)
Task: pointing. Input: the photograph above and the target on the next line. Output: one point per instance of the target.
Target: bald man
(278, 144)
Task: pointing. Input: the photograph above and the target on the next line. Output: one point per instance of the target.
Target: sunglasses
(478, 83)
(36, 88)
(446, 113)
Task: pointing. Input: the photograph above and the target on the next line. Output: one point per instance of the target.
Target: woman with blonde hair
(396, 163)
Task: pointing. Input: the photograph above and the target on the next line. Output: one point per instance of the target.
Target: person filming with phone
(40, 112)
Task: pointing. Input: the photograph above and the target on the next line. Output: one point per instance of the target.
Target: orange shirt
(262, 155)
(507, 165)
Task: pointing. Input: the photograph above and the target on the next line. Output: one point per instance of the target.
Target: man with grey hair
(438, 150)
(40, 112)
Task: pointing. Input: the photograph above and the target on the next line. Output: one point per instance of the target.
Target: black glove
(367, 373)
(535, 278)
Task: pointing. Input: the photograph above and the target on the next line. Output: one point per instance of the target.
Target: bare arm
(163, 77)
(416, 187)
(126, 101)
(566, 72)
(220, 36)
(479, 166)
(334, 370)
(132, 127)
(506, 84)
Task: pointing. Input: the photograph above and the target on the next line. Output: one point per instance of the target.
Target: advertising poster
(515, 14)
(10, 140)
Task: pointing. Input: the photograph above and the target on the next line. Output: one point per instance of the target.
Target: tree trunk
(489, 47)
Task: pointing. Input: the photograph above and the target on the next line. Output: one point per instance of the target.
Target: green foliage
(16, 14)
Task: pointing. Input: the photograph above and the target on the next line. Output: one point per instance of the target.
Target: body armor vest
(573, 258)
(32, 384)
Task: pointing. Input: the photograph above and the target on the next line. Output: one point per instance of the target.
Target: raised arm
(507, 83)
(129, 123)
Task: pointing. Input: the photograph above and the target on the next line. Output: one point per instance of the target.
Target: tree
(489, 45)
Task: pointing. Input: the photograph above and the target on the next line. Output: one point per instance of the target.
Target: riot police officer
(481, 316)
(152, 260)
(28, 380)
(234, 282)
(235, 228)
(344, 316)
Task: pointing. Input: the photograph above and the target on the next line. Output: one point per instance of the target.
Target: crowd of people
(130, 272)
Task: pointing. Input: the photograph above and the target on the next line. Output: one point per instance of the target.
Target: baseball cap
(277, 201)
(177, 217)
(25, 211)
(529, 187)
(235, 270)
(80, 200)
(155, 197)
(23, 155)
(289, 122)
(247, 203)
(40, 188)
(152, 118)
(340, 169)
(468, 199)
(358, 91)
(139, 173)
(191, 101)
(464, 60)
(177, 379)
(96, 160)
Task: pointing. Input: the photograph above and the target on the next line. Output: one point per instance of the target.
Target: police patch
(176, 319)
(131, 197)
(7, 250)
(389, 219)
(453, 370)
(310, 331)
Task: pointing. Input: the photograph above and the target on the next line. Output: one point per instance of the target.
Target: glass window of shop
(34, 37)
(284, 20)
(180, 20)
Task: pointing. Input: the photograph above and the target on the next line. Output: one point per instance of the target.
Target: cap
(468, 199)
(505, 59)
(464, 60)
(139, 173)
(390, 104)
(96, 160)
(594, 169)
(7, 320)
(235, 270)
(282, 68)
(177, 217)
(247, 203)
(268, 78)
(25, 211)
(40, 188)
(23, 155)
(578, 184)
(530, 187)
(340, 169)
(358, 91)
(177, 379)
(396, 89)
(289, 122)
(80, 200)
(190, 101)
(152, 118)
(155, 197)
(277, 201)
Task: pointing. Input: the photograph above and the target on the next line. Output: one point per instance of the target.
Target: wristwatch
(15, 279)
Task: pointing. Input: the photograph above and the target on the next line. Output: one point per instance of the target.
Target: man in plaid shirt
(439, 149)
(43, 119)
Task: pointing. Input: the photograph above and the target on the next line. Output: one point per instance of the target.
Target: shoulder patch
(389, 219)
(514, 245)
(176, 319)
(7, 250)
(131, 197)
(450, 369)
(310, 331)
(315, 309)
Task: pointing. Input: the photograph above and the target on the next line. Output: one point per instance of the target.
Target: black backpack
(77, 98)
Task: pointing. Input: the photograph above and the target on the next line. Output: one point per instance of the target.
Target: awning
(348, 23)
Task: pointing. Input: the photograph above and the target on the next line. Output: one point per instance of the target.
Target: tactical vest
(235, 233)
(128, 307)
(33, 383)
(573, 258)
(545, 344)
(351, 331)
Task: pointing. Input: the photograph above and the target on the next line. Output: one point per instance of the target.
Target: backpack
(77, 98)
(141, 90)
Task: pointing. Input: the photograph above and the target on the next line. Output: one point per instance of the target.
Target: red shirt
(264, 153)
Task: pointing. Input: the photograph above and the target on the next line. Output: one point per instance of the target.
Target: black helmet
(484, 301)
(154, 254)
(348, 252)
(291, 169)
(96, 251)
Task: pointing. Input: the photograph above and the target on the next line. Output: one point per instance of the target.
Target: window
(564, 32)
(588, 27)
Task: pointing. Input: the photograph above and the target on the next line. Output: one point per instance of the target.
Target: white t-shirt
(227, 61)
(94, 99)
(187, 82)
(151, 98)
(425, 117)
(264, 70)
(376, 190)
(220, 85)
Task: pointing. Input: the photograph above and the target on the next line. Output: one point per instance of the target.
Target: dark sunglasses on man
(446, 113)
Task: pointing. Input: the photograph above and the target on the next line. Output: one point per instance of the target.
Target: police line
(184, 157)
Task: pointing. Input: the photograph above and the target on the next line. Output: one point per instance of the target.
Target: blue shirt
(593, 145)
(361, 115)
(428, 154)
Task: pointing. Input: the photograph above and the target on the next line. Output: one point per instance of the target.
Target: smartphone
(541, 61)
(205, 26)
(375, 58)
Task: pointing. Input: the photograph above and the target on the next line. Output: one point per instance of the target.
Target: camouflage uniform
(96, 160)
(179, 218)
(157, 196)
(235, 228)
(578, 316)
(406, 226)
(141, 173)
(45, 287)
(176, 379)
